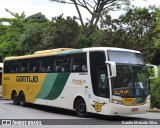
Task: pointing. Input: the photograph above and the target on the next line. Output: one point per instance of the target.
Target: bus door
(103, 91)
(100, 84)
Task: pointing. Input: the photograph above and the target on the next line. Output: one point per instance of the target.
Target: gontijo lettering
(27, 79)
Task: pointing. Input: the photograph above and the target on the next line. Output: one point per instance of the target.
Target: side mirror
(112, 68)
(155, 70)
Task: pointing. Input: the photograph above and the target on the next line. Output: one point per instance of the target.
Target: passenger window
(23, 66)
(62, 63)
(78, 63)
(47, 64)
(34, 65)
(7, 66)
(14, 67)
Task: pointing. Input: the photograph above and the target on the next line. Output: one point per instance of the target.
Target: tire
(22, 99)
(80, 108)
(15, 98)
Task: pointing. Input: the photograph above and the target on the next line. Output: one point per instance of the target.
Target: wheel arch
(21, 91)
(78, 97)
(22, 98)
(13, 91)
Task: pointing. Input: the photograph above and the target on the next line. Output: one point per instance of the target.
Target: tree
(38, 17)
(156, 39)
(25, 35)
(133, 30)
(21, 35)
(9, 34)
(61, 32)
(96, 8)
(31, 38)
(155, 91)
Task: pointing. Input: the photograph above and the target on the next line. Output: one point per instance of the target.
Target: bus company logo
(6, 78)
(27, 79)
(98, 106)
(78, 82)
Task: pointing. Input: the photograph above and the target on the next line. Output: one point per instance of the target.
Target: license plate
(134, 109)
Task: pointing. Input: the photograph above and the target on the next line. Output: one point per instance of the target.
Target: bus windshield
(125, 57)
(131, 81)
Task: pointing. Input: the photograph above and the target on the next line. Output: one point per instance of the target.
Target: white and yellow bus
(102, 80)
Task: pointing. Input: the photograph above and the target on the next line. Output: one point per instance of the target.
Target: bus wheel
(22, 99)
(80, 107)
(15, 98)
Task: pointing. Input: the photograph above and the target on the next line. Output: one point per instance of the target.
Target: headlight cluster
(117, 101)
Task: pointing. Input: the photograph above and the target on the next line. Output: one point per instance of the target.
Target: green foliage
(83, 42)
(96, 9)
(156, 39)
(20, 35)
(16, 15)
(137, 29)
(9, 35)
(61, 32)
(31, 38)
(133, 30)
(25, 35)
(155, 92)
(38, 17)
(9, 41)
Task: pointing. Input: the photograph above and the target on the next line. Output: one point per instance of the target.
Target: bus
(100, 80)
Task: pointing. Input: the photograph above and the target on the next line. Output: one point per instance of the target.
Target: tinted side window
(78, 63)
(7, 66)
(34, 65)
(47, 64)
(14, 67)
(23, 66)
(62, 63)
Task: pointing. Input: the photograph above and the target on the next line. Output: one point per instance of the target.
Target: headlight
(117, 101)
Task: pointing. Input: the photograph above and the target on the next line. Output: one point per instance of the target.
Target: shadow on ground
(94, 117)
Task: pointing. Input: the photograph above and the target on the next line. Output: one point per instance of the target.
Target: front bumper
(117, 109)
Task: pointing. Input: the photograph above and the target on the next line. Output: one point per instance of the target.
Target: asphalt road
(32, 114)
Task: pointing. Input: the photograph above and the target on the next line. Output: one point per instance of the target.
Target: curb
(154, 110)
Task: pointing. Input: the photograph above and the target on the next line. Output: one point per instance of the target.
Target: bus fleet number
(6, 78)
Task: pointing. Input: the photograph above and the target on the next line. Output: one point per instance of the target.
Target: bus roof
(67, 51)
(52, 50)
(111, 48)
(39, 53)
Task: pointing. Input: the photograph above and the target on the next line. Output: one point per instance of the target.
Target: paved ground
(66, 118)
